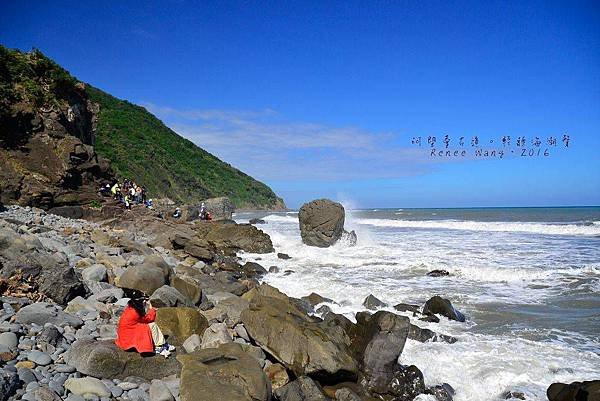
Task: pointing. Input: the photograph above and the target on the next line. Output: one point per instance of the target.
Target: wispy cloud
(143, 33)
(259, 143)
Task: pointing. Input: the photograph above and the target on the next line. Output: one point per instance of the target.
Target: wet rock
(513, 395)
(180, 323)
(379, 339)
(373, 303)
(423, 335)
(302, 344)
(321, 222)
(303, 388)
(576, 391)
(407, 383)
(273, 269)
(283, 256)
(442, 306)
(226, 373)
(167, 296)
(438, 273)
(407, 308)
(257, 221)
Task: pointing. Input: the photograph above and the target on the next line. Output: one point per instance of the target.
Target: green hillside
(137, 143)
(140, 146)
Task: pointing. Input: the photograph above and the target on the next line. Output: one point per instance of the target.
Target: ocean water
(528, 280)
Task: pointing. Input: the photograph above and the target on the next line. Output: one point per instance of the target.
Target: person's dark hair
(138, 305)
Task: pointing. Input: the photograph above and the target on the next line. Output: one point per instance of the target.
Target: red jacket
(133, 330)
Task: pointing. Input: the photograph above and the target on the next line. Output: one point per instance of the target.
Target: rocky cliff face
(47, 133)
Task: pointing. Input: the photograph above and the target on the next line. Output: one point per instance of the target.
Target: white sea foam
(504, 264)
(533, 228)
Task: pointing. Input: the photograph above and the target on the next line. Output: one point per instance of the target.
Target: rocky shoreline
(64, 285)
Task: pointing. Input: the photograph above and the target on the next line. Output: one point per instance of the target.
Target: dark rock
(442, 306)
(513, 395)
(104, 360)
(257, 221)
(180, 323)
(321, 222)
(576, 391)
(407, 308)
(273, 269)
(226, 373)
(283, 256)
(301, 389)
(438, 273)
(407, 383)
(252, 269)
(9, 384)
(443, 392)
(288, 272)
(378, 341)
(372, 303)
(304, 345)
(423, 335)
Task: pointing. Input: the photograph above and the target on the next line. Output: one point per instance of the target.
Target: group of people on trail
(138, 332)
(128, 193)
(203, 213)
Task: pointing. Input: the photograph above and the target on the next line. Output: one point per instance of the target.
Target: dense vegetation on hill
(137, 143)
(141, 146)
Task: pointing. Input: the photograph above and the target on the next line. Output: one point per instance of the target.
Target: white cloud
(258, 143)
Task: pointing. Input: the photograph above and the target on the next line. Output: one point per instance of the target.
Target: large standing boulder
(303, 344)
(321, 222)
(180, 323)
(378, 341)
(168, 296)
(226, 373)
(104, 360)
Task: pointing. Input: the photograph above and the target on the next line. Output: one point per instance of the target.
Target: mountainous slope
(38, 94)
(140, 146)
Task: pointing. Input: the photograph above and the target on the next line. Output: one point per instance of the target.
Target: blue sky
(321, 99)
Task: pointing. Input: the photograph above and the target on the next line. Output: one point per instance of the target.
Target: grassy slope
(140, 146)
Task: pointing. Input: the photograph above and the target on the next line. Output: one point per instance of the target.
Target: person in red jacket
(137, 330)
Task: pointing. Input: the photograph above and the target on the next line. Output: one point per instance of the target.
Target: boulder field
(65, 283)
